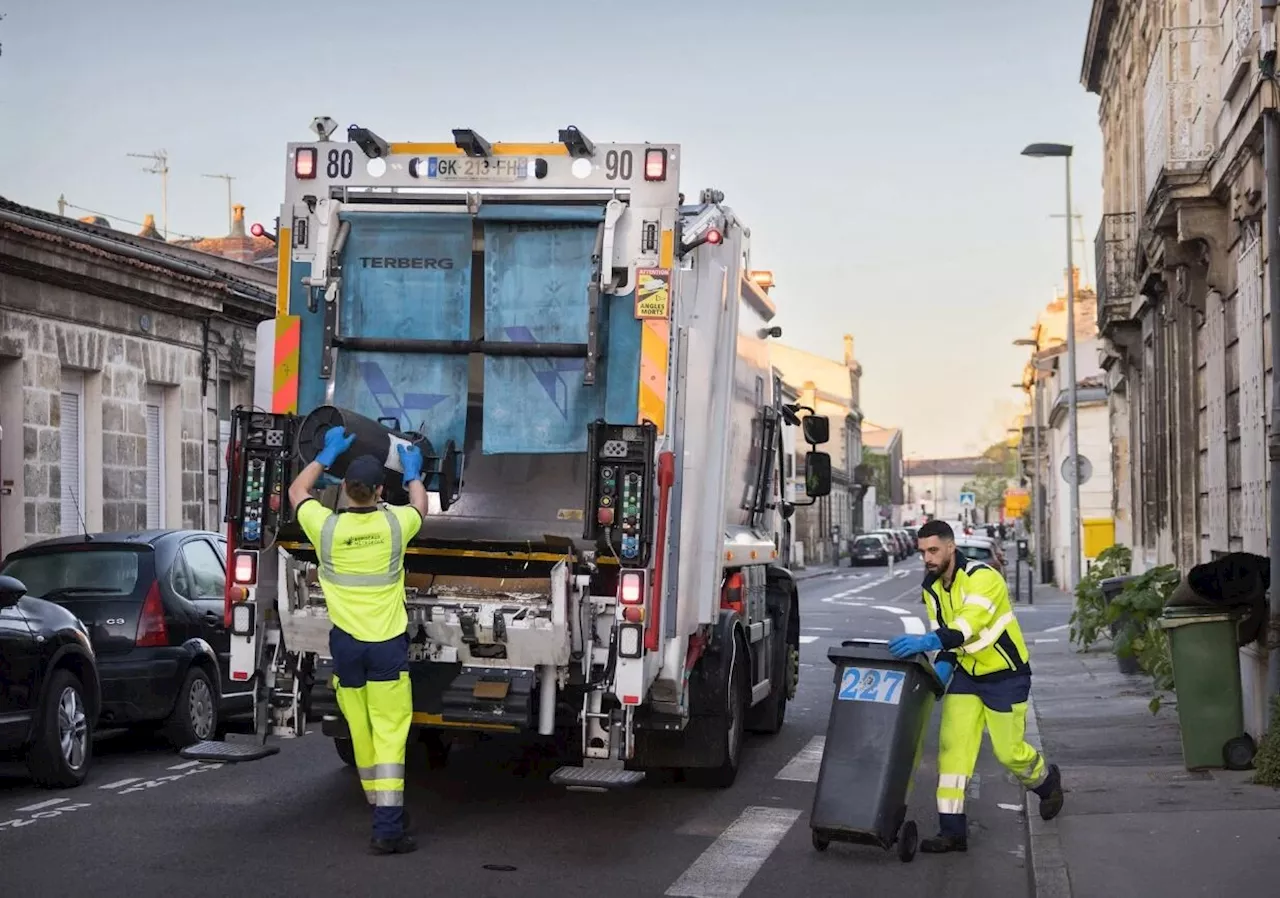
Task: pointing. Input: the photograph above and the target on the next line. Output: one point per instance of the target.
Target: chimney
(237, 221)
(848, 350)
(149, 228)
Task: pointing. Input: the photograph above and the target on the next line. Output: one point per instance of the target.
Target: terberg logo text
(404, 262)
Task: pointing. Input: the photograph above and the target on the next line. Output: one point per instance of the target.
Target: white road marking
(42, 805)
(185, 765)
(913, 625)
(1042, 641)
(1058, 629)
(805, 640)
(804, 766)
(726, 868)
(1009, 807)
(893, 610)
(820, 629)
(118, 783)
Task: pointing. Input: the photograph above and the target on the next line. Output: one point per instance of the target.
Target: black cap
(365, 470)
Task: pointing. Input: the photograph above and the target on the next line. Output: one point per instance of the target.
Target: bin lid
(1186, 615)
(859, 651)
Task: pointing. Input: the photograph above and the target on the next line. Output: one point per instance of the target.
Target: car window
(977, 553)
(208, 580)
(869, 542)
(90, 572)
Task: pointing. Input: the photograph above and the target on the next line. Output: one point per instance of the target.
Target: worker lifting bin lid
(875, 734)
(379, 439)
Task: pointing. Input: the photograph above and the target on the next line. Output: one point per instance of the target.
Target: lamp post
(1033, 393)
(1063, 151)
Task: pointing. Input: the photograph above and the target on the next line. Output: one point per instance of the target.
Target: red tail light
(246, 567)
(151, 629)
(631, 588)
(732, 595)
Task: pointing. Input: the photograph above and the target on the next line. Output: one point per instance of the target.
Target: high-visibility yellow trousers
(964, 717)
(375, 697)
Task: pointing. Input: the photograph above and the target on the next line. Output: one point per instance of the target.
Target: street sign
(968, 500)
(1084, 466)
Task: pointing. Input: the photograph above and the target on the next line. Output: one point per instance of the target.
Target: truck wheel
(62, 744)
(768, 716)
(346, 751)
(723, 777)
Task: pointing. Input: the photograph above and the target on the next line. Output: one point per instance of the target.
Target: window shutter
(154, 474)
(72, 493)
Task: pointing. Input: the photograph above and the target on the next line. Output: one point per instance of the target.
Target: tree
(988, 490)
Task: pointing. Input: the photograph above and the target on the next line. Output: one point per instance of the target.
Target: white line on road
(1042, 641)
(42, 805)
(1058, 629)
(118, 783)
(804, 766)
(805, 640)
(726, 868)
(185, 765)
(892, 610)
(819, 629)
(913, 625)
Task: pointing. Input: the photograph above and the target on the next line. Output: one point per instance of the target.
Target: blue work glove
(907, 645)
(944, 670)
(411, 461)
(336, 442)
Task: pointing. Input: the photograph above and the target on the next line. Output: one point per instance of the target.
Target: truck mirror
(817, 473)
(816, 430)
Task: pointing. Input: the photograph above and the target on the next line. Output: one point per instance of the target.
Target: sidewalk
(1136, 822)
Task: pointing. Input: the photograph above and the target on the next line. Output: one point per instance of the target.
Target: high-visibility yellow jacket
(975, 622)
(361, 559)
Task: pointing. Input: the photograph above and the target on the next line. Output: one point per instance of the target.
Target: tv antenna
(231, 215)
(160, 167)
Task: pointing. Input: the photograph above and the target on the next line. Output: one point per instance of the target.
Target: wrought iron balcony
(1180, 102)
(1116, 249)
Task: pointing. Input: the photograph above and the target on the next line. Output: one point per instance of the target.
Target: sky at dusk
(873, 149)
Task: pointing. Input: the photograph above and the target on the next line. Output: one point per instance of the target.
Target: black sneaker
(1051, 797)
(941, 844)
(402, 845)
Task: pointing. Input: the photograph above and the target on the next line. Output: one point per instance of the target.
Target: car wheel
(195, 713)
(62, 749)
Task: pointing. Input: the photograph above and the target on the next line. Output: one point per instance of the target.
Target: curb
(816, 574)
(1046, 862)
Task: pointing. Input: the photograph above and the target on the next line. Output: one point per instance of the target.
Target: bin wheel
(1238, 753)
(908, 841)
(820, 842)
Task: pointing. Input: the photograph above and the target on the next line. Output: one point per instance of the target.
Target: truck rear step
(228, 752)
(598, 776)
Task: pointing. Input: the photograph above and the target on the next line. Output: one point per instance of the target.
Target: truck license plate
(869, 684)
(467, 168)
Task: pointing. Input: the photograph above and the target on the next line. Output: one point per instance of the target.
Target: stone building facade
(1181, 268)
(120, 357)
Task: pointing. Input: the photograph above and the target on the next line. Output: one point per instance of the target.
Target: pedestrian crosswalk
(729, 864)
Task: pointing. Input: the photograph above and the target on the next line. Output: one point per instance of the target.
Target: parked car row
(112, 630)
(880, 546)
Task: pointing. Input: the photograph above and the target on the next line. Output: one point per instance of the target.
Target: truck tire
(767, 717)
(62, 745)
(732, 723)
(346, 751)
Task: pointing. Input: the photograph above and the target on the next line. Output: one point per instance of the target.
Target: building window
(155, 458)
(71, 426)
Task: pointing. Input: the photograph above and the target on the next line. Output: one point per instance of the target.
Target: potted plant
(1139, 643)
(1089, 618)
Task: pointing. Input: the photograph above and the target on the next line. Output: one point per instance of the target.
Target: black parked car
(154, 609)
(49, 695)
(871, 549)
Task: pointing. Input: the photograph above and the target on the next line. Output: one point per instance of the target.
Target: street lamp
(1037, 521)
(1063, 151)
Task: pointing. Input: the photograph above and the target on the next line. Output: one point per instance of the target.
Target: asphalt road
(149, 824)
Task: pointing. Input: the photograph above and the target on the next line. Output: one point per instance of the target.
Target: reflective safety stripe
(388, 798)
(951, 781)
(964, 627)
(950, 805)
(980, 602)
(382, 772)
(394, 569)
(989, 635)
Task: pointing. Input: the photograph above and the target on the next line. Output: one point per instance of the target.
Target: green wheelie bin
(1206, 673)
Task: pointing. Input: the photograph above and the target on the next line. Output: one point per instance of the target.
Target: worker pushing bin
(875, 734)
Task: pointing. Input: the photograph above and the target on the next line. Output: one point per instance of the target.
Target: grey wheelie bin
(879, 714)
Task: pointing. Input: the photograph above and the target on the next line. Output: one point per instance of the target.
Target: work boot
(403, 845)
(953, 835)
(1050, 792)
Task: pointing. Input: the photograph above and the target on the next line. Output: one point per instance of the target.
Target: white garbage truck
(583, 356)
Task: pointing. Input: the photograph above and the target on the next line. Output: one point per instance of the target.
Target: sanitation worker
(360, 552)
(983, 659)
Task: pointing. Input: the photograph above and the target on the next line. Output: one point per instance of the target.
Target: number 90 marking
(619, 165)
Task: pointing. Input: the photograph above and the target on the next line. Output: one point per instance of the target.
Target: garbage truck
(583, 357)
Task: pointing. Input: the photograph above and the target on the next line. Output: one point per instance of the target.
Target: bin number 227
(871, 685)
